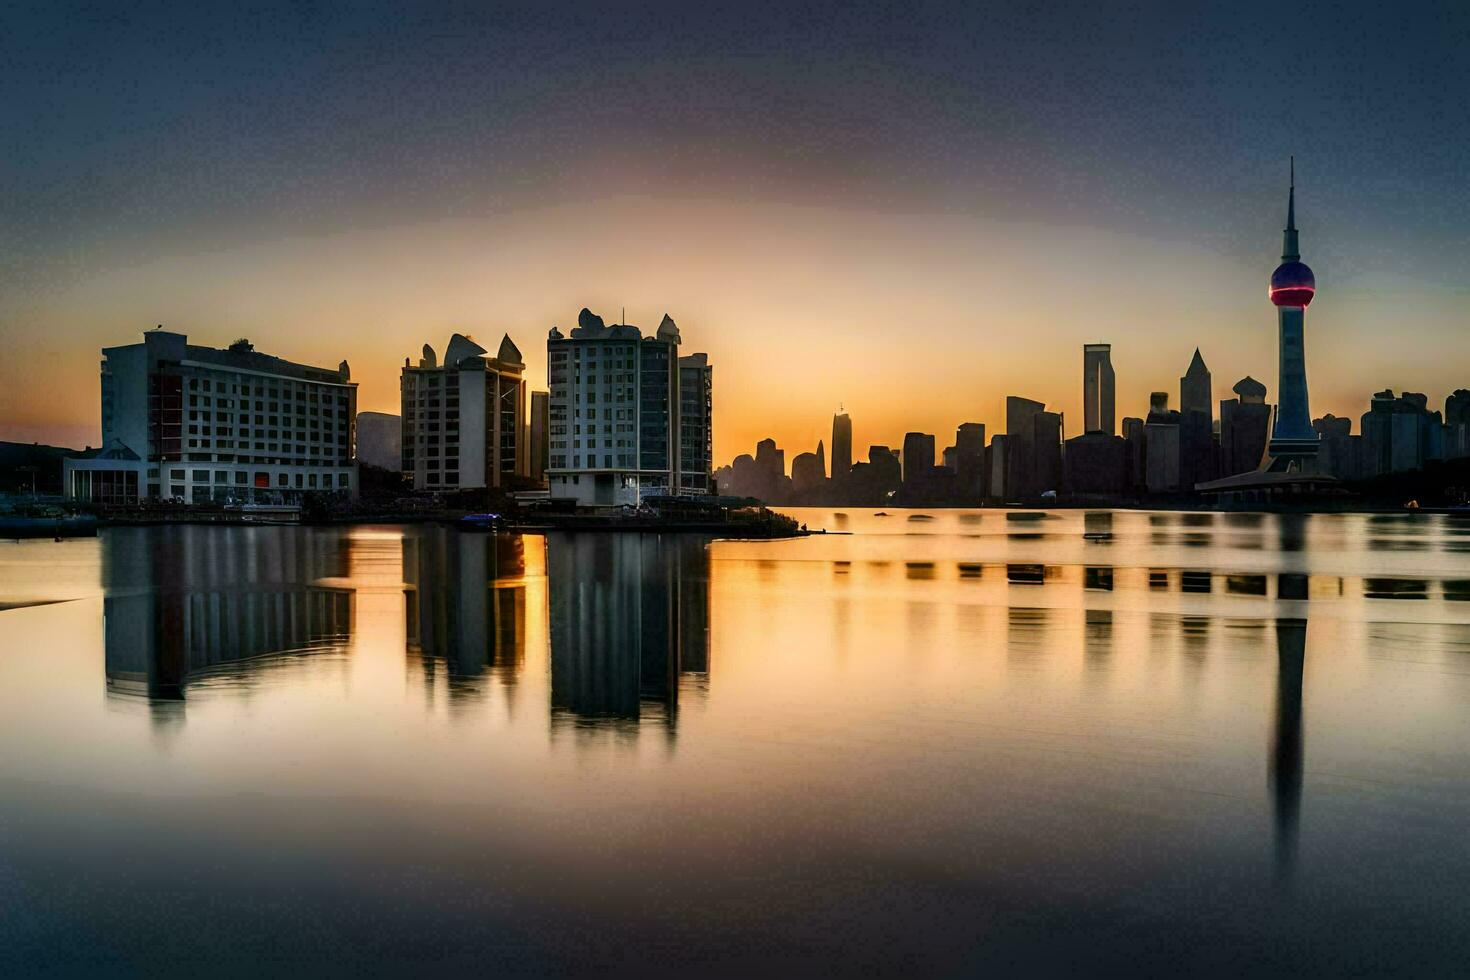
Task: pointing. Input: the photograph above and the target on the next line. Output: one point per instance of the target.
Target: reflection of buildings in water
(1026, 634)
(628, 614)
(184, 600)
(1097, 645)
(1097, 525)
(1291, 585)
(1286, 741)
(465, 601)
(1292, 531)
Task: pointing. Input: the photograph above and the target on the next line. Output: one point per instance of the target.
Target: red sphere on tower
(1292, 284)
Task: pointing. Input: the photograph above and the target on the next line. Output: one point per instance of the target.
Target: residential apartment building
(464, 420)
(204, 425)
(615, 413)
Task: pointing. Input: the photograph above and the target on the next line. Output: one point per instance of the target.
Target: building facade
(696, 424)
(540, 436)
(463, 420)
(616, 413)
(199, 425)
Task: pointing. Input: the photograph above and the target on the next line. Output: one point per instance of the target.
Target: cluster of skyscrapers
(627, 417)
(1250, 451)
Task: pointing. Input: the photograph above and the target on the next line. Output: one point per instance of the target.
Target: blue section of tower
(1293, 413)
(1292, 289)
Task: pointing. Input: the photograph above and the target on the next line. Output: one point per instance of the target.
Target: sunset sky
(911, 211)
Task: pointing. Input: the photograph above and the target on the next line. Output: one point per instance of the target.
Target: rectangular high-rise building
(225, 426)
(969, 460)
(841, 450)
(1021, 475)
(1099, 400)
(696, 424)
(917, 458)
(616, 407)
(539, 448)
(463, 420)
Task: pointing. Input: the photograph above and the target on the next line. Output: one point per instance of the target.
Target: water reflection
(1026, 573)
(185, 602)
(465, 602)
(1245, 584)
(1395, 588)
(629, 613)
(1292, 531)
(1286, 741)
(914, 744)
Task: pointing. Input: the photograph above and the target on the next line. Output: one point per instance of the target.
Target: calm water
(1072, 743)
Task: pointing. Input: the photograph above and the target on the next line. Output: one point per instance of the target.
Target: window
(201, 476)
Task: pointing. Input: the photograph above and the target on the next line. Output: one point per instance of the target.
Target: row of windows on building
(609, 461)
(234, 384)
(306, 481)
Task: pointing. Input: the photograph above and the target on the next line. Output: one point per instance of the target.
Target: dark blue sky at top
(143, 125)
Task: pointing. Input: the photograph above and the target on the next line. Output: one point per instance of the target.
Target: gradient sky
(909, 210)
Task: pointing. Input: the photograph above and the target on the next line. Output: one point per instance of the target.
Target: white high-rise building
(615, 413)
(204, 425)
(463, 420)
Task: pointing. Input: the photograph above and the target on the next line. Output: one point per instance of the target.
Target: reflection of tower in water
(465, 600)
(628, 614)
(1286, 741)
(181, 601)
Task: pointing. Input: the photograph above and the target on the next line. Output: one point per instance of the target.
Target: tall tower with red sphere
(1293, 443)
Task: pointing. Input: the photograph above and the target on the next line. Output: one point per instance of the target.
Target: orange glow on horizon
(911, 321)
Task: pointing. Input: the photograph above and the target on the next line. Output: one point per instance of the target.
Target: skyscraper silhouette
(841, 449)
(1098, 399)
(1196, 424)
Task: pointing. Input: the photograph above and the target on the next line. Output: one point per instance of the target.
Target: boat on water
(265, 513)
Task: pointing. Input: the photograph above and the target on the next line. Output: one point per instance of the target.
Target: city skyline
(683, 173)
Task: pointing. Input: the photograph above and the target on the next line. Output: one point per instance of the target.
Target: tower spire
(1290, 250)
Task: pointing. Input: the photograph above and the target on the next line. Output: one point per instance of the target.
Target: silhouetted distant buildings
(1197, 450)
(808, 473)
(380, 439)
(969, 461)
(841, 450)
(1245, 425)
(1099, 401)
(539, 436)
